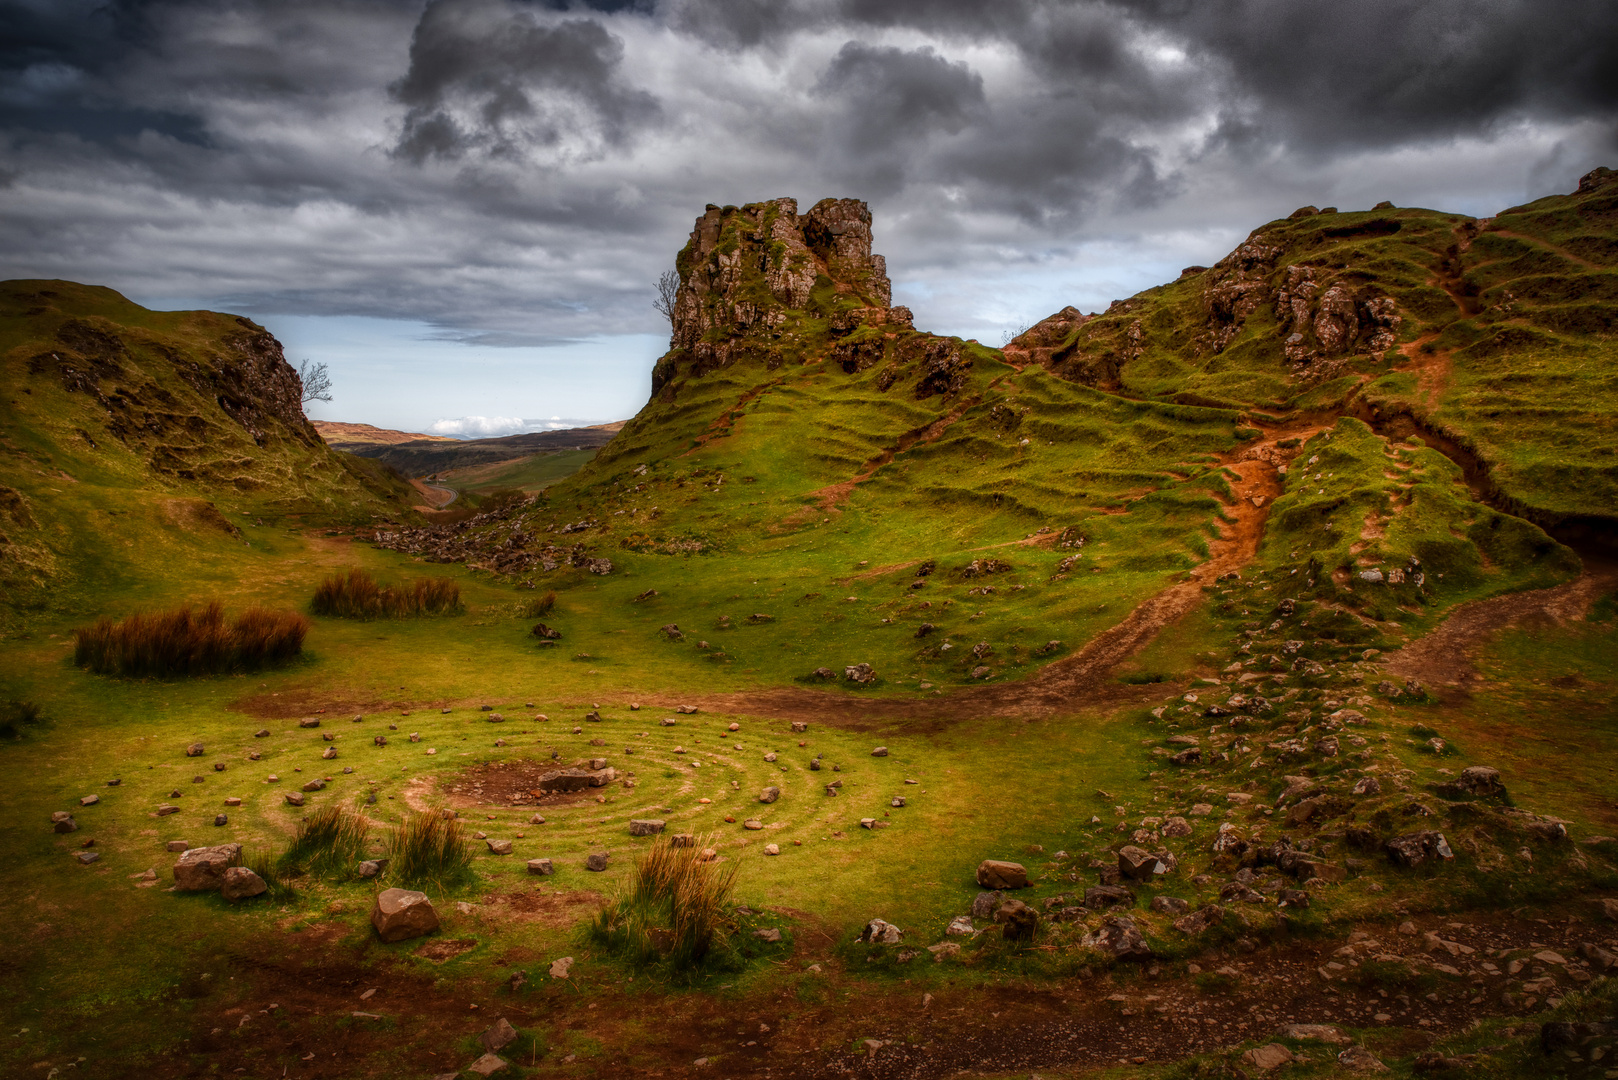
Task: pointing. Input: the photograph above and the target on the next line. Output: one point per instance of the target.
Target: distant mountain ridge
(346, 436)
(437, 454)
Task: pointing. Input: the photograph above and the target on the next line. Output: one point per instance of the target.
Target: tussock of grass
(183, 641)
(356, 595)
(429, 849)
(673, 912)
(16, 715)
(540, 605)
(329, 841)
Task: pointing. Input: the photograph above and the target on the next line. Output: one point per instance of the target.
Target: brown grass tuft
(356, 595)
(187, 642)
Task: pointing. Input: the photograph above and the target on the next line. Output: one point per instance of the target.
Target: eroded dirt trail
(1444, 657)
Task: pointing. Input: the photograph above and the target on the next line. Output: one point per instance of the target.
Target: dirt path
(1074, 681)
(1444, 657)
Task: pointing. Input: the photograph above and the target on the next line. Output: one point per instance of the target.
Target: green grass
(531, 474)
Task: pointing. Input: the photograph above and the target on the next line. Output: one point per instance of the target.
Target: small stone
(371, 868)
(898, 800)
(194, 750)
(221, 819)
(537, 819)
(87, 857)
(329, 753)
(596, 860)
(232, 800)
(769, 795)
(960, 926)
(65, 824)
(881, 751)
(769, 934)
(499, 847)
(772, 849)
(316, 784)
(166, 810)
(311, 722)
(753, 824)
(560, 968)
(294, 798)
(541, 866)
(799, 726)
(645, 826)
(881, 932)
(262, 733)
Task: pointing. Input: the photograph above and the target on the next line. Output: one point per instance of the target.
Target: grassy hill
(137, 442)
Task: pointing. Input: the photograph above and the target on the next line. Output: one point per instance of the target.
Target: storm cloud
(519, 172)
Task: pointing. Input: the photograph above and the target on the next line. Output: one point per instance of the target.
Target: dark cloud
(521, 170)
(495, 77)
(1379, 72)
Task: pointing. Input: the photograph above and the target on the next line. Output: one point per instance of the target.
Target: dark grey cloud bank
(514, 171)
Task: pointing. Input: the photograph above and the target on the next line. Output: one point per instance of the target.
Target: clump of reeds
(329, 842)
(269, 870)
(538, 606)
(429, 848)
(674, 910)
(184, 641)
(356, 595)
(16, 715)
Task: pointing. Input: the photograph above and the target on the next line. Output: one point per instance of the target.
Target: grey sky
(462, 205)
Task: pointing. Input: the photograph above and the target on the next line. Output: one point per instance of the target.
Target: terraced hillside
(135, 442)
(816, 484)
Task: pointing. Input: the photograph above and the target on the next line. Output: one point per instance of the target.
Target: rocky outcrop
(764, 283)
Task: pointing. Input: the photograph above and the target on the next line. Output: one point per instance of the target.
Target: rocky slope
(129, 428)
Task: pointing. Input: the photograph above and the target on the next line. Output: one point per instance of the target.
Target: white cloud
(479, 427)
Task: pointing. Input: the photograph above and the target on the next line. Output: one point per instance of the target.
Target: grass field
(765, 519)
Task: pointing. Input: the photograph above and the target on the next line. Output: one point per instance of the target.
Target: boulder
(194, 750)
(1018, 921)
(769, 795)
(1204, 918)
(401, 914)
(596, 861)
(1169, 905)
(65, 824)
(1359, 1059)
(1413, 849)
(1481, 780)
(371, 868)
(880, 932)
(800, 726)
(1101, 896)
(315, 785)
(859, 673)
(240, 883)
(541, 866)
(772, 849)
(499, 847)
(499, 1036)
(488, 1065)
(1120, 938)
(985, 904)
(645, 826)
(294, 798)
(1178, 826)
(1268, 1058)
(202, 869)
(1138, 864)
(996, 874)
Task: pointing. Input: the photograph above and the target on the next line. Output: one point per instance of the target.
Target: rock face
(995, 874)
(401, 914)
(202, 869)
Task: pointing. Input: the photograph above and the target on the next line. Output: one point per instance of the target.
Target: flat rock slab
(541, 866)
(645, 826)
(401, 914)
